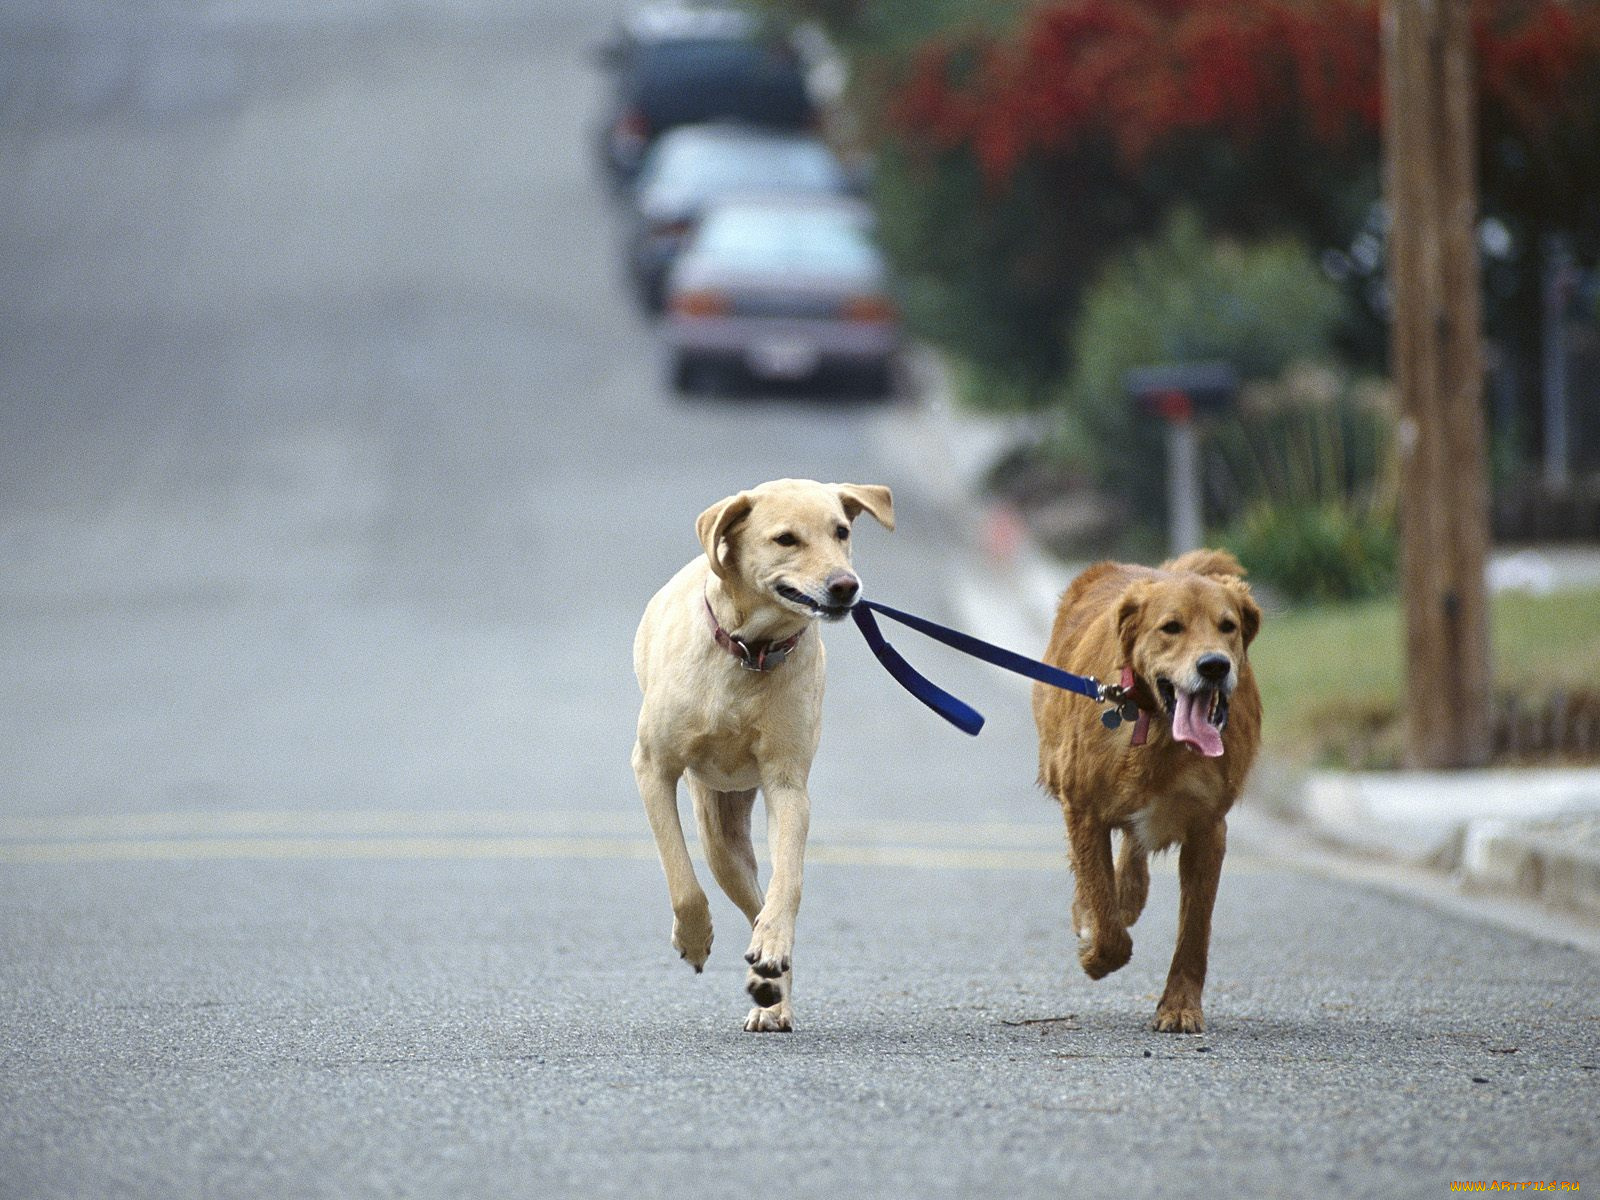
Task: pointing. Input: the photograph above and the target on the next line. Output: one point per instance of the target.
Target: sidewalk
(1528, 832)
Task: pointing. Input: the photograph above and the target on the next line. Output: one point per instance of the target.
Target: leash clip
(1118, 695)
(1108, 693)
(1123, 706)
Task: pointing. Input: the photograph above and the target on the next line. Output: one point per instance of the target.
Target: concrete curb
(1529, 832)
(1542, 861)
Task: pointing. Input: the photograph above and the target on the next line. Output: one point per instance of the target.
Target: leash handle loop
(960, 714)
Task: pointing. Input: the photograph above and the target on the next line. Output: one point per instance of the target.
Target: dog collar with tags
(752, 656)
(1125, 706)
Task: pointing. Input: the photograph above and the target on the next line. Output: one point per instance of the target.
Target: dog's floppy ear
(874, 498)
(1249, 610)
(1130, 612)
(717, 522)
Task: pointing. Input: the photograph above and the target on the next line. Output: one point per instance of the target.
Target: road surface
(335, 469)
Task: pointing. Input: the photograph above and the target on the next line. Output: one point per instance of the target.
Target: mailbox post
(1179, 395)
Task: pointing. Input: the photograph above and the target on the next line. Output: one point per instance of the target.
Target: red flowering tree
(1144, 73)
(1014, 165)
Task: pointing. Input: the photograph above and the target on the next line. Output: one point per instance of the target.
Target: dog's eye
(842, 532)
(1172, 627)
(1227, 625)
(787, 539)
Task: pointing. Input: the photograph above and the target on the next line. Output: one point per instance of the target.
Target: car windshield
(662, 60)
(787, 240)
(693, 169)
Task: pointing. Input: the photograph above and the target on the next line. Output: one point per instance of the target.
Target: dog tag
(1130, 711)
(1111, 718)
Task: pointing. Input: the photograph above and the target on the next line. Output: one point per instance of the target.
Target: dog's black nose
(842, 587)
(1214, 667)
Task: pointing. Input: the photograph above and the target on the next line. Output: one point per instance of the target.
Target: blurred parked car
(782, 288)
(680, 65)
(691, 167)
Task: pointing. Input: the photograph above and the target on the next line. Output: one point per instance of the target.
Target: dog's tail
(1216, 563)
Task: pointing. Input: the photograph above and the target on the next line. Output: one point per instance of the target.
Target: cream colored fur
(730, 731)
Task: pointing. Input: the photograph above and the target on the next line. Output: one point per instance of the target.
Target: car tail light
(672, 228)
(700, 303)
(633, 125)
(869, 309)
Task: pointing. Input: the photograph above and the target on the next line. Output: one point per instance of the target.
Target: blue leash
(960, 714)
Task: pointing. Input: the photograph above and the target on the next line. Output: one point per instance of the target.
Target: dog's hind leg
(724, 819)
(691, 915)
(1133, 878)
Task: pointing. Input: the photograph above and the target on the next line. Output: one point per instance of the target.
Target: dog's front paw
(1177, 1018)
(768, 993)
(1100, 954)
(776, 1019)
(691, 934)
(770, 950)
(1179, 1009)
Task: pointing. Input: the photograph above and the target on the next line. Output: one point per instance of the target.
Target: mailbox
(1184, 390)
(1178, 394)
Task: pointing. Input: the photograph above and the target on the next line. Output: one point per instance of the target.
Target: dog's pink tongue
(1191, 726)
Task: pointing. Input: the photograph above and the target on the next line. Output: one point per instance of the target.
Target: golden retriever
(732, 676)
(1183, 630)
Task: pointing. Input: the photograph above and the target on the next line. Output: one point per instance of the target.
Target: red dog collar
(1141, 724)
(753, 656)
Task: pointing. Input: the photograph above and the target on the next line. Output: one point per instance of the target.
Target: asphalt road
(335, 469)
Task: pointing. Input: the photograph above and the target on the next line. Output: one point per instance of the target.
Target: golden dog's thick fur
(1184, 630)
(777, 558)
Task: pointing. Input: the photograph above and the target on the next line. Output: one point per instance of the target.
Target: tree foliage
(1018, 161)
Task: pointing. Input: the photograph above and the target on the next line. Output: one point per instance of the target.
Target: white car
(782, 288)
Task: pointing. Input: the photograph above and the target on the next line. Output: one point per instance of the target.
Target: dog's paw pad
(769, 1020)
(765, 992)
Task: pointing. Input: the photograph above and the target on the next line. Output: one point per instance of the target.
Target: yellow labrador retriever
(732, 675)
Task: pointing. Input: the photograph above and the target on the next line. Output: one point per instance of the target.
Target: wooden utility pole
(1436, 339)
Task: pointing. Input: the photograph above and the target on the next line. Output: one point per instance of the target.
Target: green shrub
(1316, 551)
(1304, 482)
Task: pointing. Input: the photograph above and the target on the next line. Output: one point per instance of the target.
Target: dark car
(697, 165)
(678, 65)
(782, 288)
